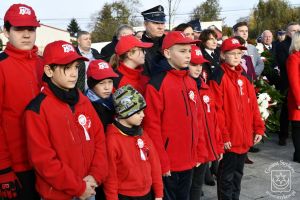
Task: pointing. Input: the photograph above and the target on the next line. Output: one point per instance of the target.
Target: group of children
(112, 139)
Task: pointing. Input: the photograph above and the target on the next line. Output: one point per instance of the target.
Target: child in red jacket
(65, 138)
(212, 133)
(19, 83)
(239, 119)
(134, 168)
(128, 60)
(172, 116)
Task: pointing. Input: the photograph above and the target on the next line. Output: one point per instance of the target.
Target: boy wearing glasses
(238, 116)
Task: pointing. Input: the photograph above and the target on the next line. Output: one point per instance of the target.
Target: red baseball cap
(128, 42)
(196, 56)
(176, 37)
(230, 44)
(21, 15)
(61, 53)
(99, 70)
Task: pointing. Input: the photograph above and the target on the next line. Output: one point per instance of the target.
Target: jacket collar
(134, 74)
(21, 54)
(233, 74)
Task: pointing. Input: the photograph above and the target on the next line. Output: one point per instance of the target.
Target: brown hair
(239, 24)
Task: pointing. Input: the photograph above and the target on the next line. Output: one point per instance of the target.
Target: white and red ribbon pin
(206, 101)
(86, 124)
(240, 84)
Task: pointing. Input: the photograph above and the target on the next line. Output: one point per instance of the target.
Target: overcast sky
(58, 13)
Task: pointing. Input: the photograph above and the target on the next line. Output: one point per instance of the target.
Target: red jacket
(236, 106)
(19, 83)
(134, 77)
(212, 134)
(171, 120)
(293, 71)
(58, 147)
(128, 174)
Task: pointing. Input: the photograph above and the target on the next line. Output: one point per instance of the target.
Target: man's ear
(48, 71)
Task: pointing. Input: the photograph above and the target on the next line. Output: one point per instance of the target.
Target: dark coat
(281, 55)
(82, 69)
(109, 49)
(151, 52)
(213, 64)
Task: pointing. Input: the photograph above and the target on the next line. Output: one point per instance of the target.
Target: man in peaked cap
(154, 21)
(19, 83)
(196, 28)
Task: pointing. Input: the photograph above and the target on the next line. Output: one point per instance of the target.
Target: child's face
(195, 70)
(233, 57)
(63, 76)
(136, 119)
(22, 38)
(179, 55)
(104, 88)
(137, 56)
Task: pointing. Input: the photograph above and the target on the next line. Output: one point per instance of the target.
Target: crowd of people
(154, 115)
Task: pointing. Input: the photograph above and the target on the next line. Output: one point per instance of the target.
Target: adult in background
(154, 22)
(241, 29)
(281, 55)
(108, 50)
(196, 27)
(187, 30)
(266, 43)
(19, 83)
(84, 49)
(293, 72)
(210, 52)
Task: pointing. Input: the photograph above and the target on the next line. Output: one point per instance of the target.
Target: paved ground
(256, 182)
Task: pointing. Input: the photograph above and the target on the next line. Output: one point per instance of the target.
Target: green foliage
(207, 11)
(111, 16)
(226, 30)
(73, 27)
(271, 15)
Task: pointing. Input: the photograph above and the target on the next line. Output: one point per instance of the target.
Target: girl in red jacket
(129, 57)
(134, 168)
(293, 71)
(65, 138)
(213, 141)
(238, 115)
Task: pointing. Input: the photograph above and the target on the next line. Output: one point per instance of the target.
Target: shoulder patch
(157, 80)
(35, 104)
(117, 80)
(3, 56)
(218, 75)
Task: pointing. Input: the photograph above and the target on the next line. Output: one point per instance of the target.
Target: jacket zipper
(185, 103)
(71, 132)
(192, 121)
(208, 131)
(166, 143)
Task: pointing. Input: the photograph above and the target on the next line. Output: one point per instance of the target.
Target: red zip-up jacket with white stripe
(19, 84)
(64, 146)
(239, 118)
(212, 134)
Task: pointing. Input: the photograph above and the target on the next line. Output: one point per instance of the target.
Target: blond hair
(295, 45)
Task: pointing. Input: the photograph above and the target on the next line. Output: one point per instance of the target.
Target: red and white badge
(192, 96)
(85, 124)
(206, 100)
(240, 84)
(143, 149)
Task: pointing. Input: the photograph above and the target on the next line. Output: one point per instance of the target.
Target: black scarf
(134, 131)
(70, 97)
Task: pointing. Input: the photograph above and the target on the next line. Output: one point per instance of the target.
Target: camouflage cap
(128, 101)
